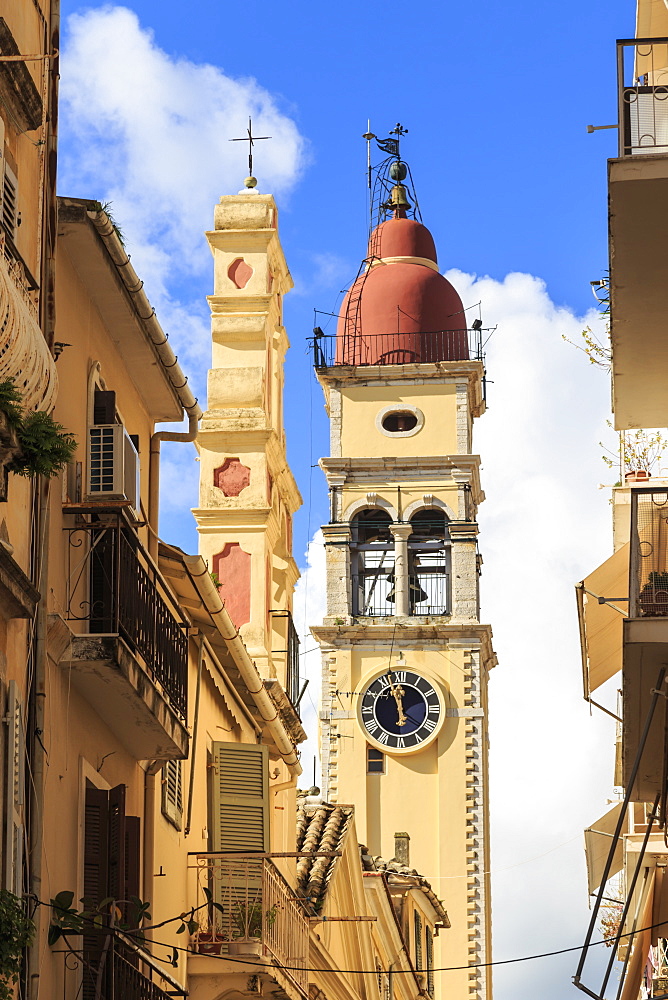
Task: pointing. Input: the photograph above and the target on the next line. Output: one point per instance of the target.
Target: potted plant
(654, 595)
(247, 923)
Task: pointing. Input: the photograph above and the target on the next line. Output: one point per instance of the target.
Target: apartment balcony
(24, 355)
(638, 217)
(110, 966)
(246, 909)
(128, 655)
(645, 649)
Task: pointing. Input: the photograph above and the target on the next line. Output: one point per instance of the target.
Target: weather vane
(251, 139)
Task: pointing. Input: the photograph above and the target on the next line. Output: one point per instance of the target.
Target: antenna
(368, 135)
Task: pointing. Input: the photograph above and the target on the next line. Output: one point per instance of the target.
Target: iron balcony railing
(248, 909)
(642, 96)
(398, 348)
(116, 970)
(116, 589)
(291, 653)
(374, 592)
(648, 584)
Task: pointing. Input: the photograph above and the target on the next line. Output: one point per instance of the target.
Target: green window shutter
(417, 923)
(429, 942)
(239, 797)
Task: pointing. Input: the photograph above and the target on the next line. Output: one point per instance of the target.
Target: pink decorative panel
(231, 477)
(232, 566)
(239, 272)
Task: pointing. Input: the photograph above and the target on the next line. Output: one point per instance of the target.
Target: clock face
(401, 711)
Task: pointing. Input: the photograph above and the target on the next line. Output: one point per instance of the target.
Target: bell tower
(406, 659)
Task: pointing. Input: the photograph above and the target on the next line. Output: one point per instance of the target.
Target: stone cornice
(440, 470)
(450, 635)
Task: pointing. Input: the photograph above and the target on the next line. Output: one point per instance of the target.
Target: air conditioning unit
(113, 465)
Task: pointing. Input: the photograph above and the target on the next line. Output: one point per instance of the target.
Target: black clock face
(400, 710)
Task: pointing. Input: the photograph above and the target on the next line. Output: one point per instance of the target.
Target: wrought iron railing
(648, 584)
(116, 589)
(291, 653)
(642, 82)
(250, 910)
(114, 970)
(398, 348)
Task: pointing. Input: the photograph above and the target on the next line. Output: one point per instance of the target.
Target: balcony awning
(598, 841)
(601, 623)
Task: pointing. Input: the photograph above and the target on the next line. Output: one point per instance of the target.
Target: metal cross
(250, 139)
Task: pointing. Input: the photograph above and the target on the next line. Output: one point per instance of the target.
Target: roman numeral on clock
(433, 709)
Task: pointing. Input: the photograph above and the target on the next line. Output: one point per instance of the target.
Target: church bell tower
(405, 656)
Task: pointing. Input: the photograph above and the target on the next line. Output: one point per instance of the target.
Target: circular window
(400, 421)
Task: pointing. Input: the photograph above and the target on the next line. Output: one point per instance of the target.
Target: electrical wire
(362, 972)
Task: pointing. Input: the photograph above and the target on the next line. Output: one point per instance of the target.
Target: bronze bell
(399, 198)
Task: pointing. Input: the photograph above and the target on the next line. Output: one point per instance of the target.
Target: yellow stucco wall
(361, 405)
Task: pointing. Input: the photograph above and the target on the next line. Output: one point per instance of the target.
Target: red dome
(402, 238)
(401, 311)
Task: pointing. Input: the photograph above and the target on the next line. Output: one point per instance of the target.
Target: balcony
(110, 966)
(246, 909)
(397, 348)
(645, 646)
(129, 652)
(638, 205)
(24, 354)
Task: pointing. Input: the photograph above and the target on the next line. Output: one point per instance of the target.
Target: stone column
(337, 547)
(401, 533)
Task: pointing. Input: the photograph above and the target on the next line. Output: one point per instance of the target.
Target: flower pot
(639, 476)
(245, 946)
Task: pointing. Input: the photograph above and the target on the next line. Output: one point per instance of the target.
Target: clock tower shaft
(402, 388)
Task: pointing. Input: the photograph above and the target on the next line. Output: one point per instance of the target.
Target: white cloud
(544, 524)
(150, 133)
(309, 608)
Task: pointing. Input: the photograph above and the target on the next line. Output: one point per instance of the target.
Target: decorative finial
(250, 181)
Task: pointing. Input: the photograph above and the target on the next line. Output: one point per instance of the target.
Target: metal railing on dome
(424, 347)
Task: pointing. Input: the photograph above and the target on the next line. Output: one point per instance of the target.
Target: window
(400, 420)
(172, 792)
(417, 929)
(429, 947)
(111, 867)
(10, 191)
(375, 761)
(372, 563)
(428, 564)
(239, 797)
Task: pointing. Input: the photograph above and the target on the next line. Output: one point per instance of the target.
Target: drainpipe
(199, 574)
(37, 696)
(154, 474)
(149, 831)
(193, 749)
(134, 287)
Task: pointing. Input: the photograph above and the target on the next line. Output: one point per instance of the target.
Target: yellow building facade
(623, 603)
(405, 657)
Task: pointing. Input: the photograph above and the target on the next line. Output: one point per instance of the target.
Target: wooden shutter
(96, 824)
(172, 792)
(117, 842)
(132, 854)
(417, 923)
(15, 761)
(239, 797)
(104, 407)
(429, 944)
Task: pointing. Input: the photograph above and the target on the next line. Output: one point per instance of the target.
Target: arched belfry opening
(429, 564)
(372, 562)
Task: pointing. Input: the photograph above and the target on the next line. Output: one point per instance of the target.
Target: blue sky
(496, 100)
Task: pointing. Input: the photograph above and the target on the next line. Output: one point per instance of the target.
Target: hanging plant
(45, 447)
(18, 931)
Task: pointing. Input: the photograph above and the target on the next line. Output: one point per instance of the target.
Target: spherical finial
(398, 171)
(250, 182)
